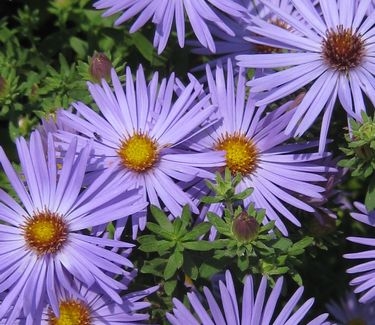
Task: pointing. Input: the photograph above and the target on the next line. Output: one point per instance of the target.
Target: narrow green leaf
(174, 263)
(143, 45)
(370, 195)
(159, 231)
(283, 244)
(202, 245)
(197, 231)
(190, 267)
(219, 224)
(161, 218)
(156, 246)
(170, 286)
(79, 46)
(156, 266)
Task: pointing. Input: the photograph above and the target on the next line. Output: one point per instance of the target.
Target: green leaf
(209, 268)
(279, 270)
(161, 218)
(197, 231)
(79, 46)
(174, 263)
(143, 45)
(301, 244)
(156, 229)
(170, 286)
(370, 195)
(211, 199)
(297, 278)
(156, 246)
(190, 267)
(202, 245)
(221, 226)
(155, 266)
(243, 262)
(283, 244)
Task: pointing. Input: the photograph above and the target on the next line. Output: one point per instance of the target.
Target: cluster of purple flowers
(157, 141)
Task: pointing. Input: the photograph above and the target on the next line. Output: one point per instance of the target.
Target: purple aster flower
(164, 12)
(365, 280)
(254, 143)
(89, 306)
(349, 311)
(42, 246)
(228, 46)
(92, 308)
(138, 137)
(244, 41)
(257, 307)
(333, 51)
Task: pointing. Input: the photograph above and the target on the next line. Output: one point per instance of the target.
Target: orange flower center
(342, 49)
(45, 232)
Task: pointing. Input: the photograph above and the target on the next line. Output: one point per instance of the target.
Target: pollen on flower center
(241, 153)
(342, 49)
(72, 312)
(45, 232)
(138, 152)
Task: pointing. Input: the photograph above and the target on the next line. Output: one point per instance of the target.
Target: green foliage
(360, 154)
(175, 245)
(45, 54)
(266, 253)
(224, 189)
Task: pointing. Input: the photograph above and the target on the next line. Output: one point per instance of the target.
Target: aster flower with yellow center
(42, 246)
(254, 143)
(90, 307)
(138, 134)
(333, 53)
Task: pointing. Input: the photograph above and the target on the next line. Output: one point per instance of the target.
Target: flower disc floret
(342, 49)
(241, 153)
(72, 312)
(139, 152)
(45, 232)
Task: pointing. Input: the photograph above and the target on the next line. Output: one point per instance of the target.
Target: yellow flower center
(138, 152)
(342, 49)
(72, 312)
(241, 153)
(45, 232)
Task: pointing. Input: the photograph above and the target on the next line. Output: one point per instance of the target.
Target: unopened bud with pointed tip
(100, 67)
(245, 227)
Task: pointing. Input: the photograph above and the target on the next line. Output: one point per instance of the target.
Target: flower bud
(366, 134)
(100, 67)
(245, 227)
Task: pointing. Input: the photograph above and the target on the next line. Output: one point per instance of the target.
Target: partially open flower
(245, 227)
(100, 67)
